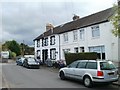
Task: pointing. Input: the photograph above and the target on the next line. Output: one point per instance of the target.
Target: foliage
(70, 57)
(12, 46)
(116, 21)
(12, 55)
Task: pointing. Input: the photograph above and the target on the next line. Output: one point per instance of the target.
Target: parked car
(31, 63)
(90, 71)
(20, 60)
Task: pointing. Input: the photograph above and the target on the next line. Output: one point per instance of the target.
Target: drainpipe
(59, 48)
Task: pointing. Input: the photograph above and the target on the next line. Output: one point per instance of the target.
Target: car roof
(98, 60)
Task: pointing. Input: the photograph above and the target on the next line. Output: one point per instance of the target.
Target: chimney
(75, 17)
(49, 26)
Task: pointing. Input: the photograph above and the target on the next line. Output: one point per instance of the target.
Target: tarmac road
(20, 77)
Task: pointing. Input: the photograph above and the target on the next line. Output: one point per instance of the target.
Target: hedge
(70, 57)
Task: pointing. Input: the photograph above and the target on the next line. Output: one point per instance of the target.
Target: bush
(70, 57)
(12, 55)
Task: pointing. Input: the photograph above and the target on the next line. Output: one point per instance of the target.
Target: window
(65, 36)
(100, 51)
(43, 42)
(73, 65)
(81, 65)
(95, 31)
(66, 50)
(52, 40)
(38, 54)
(107, 66)
(38, 43)
(82, 34)
(82, 49)
(46, 41)
(75, 36)
(53, 54)
(91, 65)
(76, 50)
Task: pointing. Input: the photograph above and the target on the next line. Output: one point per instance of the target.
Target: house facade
(88, 34)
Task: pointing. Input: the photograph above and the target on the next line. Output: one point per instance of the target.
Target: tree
(116, 21)
(13, 46)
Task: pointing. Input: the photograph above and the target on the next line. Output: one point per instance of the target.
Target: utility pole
(23, 48)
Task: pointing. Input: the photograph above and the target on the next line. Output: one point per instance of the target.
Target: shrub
(70, 57)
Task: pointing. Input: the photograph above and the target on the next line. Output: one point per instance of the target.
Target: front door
(44, 55)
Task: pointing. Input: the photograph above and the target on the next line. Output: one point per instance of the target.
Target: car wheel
(87, 82)
(62, 75)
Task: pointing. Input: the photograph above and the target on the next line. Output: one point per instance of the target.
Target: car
(20, 60)
(90, 72)
(31, 63)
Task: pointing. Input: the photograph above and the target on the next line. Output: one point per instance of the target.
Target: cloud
(23, 20)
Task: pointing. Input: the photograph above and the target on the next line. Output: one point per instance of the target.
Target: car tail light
(100, 73)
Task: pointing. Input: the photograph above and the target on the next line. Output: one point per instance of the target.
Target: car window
(73, 65)
(107, 66)
(91, 65)
(81, 65)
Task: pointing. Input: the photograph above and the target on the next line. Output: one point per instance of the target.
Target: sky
(26, 19)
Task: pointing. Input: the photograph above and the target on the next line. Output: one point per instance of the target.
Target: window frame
(95, 31)
(51, 54)
(52, 40)
(75, 35)
(65, 37)
(82, 34)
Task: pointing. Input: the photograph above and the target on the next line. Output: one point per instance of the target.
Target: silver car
(90, 71)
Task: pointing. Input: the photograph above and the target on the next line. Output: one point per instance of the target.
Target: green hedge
(70, 57)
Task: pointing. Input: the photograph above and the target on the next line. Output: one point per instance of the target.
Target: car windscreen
(107, 66)
(31, 60)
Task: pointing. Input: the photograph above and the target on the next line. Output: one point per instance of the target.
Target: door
(44, 55)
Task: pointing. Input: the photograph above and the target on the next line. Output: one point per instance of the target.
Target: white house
(88, 34)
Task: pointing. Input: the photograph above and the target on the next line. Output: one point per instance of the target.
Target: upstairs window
(38, 43)
(95, 31)
(52, 40)
(65, 36)
(43, 42)
(46, 41)
(75, 36)
(82, 34)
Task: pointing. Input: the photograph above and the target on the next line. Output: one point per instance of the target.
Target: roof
(96, 18)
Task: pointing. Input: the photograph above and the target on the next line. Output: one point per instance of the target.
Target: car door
(70, 71)
(80, 70)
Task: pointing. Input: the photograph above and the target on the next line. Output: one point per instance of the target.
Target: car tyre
(87, 81)
(62, 75)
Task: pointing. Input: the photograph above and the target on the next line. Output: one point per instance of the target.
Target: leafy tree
(13, 46)
(116, 21)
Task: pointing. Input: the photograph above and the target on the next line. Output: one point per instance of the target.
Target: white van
(5, 54)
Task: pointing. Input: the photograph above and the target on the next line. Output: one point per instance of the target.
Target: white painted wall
(106, 38)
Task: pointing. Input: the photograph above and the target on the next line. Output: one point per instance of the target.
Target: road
(20, 77)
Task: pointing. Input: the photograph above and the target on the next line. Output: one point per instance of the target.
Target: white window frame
(82, 34)
(65, 37)
(75, 35)
(53, 54)
(38, 43)
(95, 31)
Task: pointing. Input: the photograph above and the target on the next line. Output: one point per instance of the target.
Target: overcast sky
(26, 19)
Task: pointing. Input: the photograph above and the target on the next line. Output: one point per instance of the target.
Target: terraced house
(88, 34)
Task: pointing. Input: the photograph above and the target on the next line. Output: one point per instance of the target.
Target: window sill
(98, 37)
